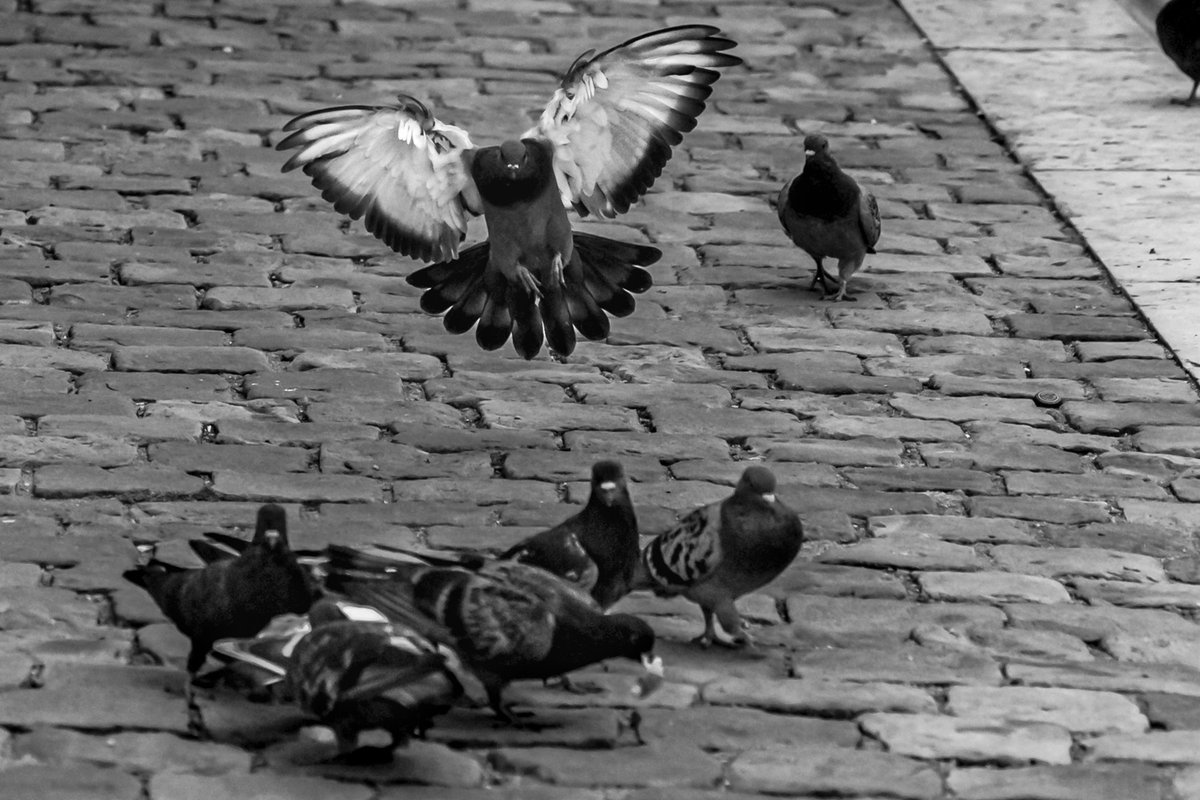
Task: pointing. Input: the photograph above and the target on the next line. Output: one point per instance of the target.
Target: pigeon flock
(387, 638)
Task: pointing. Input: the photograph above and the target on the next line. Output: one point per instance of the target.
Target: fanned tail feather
(589, 318)
(611, 271)
(556, 314)
(495, 325)
(527, 332)
(457, 285)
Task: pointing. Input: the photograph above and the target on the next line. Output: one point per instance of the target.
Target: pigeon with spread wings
(598, 146)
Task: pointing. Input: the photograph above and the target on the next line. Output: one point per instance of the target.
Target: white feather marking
(290, 645)
(357, 613)
(409, 130)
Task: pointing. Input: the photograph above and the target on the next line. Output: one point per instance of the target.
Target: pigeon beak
(607, 492)
(809, 153)
(649, 683)
(272, 537)
(769, 497)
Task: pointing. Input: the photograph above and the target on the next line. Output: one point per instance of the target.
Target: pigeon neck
(500, 187)
(822, 190)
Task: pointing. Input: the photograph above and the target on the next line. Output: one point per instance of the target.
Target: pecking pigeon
(354, 671)
(719, 552)
(1178, 27)
(596, 549)
(506, 621)
(827, 215)
(231, 597)
(600, 143)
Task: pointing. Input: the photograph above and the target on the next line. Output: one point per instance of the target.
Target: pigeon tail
(610, 270)
(457, 285)
(153, 577)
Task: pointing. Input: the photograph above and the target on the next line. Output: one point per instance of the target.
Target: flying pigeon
(1178, 27)
(231, 597)
(827, 215)
(506, 621)
(719, 552)
(598, 146)
(354, 671)
(596, 549)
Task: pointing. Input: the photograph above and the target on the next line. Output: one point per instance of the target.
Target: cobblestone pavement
(998, 596)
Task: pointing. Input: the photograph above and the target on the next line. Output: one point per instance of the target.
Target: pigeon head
(815, 144)
(516, 171)
(271, 527)
(608, 481)
(636, 637)
(758, 481)
(513, 155)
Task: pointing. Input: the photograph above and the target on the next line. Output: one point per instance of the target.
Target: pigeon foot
(529, 282)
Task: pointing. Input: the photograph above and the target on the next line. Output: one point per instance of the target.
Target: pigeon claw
(529, 282)
(556, 271)
(840, 294)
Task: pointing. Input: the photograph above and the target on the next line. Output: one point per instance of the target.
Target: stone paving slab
(1087, 109)
(998, 594)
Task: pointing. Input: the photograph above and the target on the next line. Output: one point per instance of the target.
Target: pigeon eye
(570, 95)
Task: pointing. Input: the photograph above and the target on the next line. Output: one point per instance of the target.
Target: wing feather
(688, 553)
(400, 169)
(616, 115)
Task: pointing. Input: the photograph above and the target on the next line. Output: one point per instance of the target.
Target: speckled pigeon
(596, 549)
(600, 143)
(354, 671)
(719, 552)
(507, 621)
(231, 597)
(827, 215)
(1178, 27)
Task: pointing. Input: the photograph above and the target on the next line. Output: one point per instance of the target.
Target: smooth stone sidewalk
(1082, 94)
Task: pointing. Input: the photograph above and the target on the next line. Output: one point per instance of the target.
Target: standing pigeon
(233, 597)
(506, 621)
(719, 552)
(1178, 27)
(827, 215)
(596, 549)
(600, 143)
(354, 671)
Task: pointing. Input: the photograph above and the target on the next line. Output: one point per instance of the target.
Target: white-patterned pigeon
(722, 551)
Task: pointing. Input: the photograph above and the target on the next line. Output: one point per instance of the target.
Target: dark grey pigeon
(827, 215)
(1178, 27)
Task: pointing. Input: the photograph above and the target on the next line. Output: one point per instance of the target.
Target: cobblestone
(997, 594)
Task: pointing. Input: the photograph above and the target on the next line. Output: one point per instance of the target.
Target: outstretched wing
(406, 173)
(616, 116)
